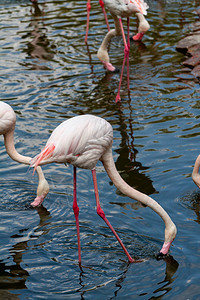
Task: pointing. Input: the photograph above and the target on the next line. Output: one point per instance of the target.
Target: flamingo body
(126, 8)
(7, 118)
(78, 142)
(7, 127)
(82, 141)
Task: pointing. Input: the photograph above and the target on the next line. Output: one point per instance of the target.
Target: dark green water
(48, 75)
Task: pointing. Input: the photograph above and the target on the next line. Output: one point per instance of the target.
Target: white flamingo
(82, 141)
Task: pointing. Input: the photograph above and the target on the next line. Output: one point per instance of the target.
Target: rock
(192, 61)
(196, 71)
(194, 50)
(190, 46)
(197, 11)
(187, 42)
(195, 26)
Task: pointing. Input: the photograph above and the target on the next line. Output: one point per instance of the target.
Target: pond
(48, 75)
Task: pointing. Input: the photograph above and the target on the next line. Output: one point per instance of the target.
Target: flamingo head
(170, 234)
(42, 191)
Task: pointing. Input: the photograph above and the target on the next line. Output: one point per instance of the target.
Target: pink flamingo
(7, 128)
(82, 141)
(88, 17)
(119, 9)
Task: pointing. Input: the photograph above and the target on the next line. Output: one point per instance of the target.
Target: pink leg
(105, 15)
(101, 213)
(128, 33)
(76, 213)
(128, 44)
(126, 55)
(88, 19)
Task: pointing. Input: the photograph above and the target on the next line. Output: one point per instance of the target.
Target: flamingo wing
(80, 141)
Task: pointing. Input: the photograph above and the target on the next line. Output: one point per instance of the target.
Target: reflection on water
(171, 268)
(38, 46)
(163, 286)
(48, 74)
(192, 201)
(129, 168)
(12, 275)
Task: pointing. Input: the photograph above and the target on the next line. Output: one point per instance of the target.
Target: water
(49, 75)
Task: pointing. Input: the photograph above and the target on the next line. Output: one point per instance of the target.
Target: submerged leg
(126, 57)
(101, 213)
(128, 45)
(88, 19)
(76, 214)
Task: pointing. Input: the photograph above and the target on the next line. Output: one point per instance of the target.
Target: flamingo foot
(118, 98)
(131, 260)
(38, 201)
(138, 37)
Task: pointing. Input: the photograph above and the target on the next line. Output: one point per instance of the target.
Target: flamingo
(7, 128)
(82, 141)
(119, 9)
(88, 17)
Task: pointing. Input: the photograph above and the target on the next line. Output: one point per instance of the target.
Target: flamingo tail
(44, 154)
(142, 6)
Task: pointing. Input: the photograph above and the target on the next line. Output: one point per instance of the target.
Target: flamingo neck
(12, 152)
(143, 24)
(43, 186)
(140, 17)
(110, 34)
(102, 53)
(108, 162)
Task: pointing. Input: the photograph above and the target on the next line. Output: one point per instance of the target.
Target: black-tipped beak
(160, 256)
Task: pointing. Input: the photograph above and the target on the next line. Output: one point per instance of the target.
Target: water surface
(48, 75)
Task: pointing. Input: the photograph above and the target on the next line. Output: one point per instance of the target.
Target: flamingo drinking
(82, 141)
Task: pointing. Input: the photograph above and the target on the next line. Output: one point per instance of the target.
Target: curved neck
(127, 190)
(12, 152)
(110, 34)
(140, 17)
(10, 148)
(143, 24)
